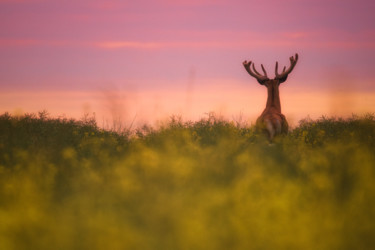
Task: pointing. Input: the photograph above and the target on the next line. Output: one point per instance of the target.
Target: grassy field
(210, 184)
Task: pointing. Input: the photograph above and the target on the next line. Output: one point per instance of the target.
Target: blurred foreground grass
(67, 184)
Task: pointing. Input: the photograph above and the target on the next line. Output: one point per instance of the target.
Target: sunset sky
(145, 60)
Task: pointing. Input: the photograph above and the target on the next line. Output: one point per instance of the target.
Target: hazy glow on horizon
(187, 50)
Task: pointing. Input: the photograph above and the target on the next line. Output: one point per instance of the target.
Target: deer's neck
(273, 99)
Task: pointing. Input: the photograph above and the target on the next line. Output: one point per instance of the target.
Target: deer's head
(263, 79)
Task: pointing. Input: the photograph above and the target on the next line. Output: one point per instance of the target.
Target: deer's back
(274, 123)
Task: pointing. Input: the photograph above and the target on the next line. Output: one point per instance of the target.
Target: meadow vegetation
(210, 184)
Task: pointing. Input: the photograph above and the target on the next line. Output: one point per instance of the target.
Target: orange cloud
(127, 44)
(17, 42)
(222, 40)
(33, 42)
(330, 39)
(21, 1)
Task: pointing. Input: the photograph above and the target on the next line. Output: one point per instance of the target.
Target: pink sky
(150, 59)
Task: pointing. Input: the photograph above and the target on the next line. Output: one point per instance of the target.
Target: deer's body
(272, 121)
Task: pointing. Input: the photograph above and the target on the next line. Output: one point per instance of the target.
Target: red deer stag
(272, 121)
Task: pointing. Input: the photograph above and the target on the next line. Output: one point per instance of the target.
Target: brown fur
(272, 121)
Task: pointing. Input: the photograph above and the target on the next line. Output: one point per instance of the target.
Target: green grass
(210, 184)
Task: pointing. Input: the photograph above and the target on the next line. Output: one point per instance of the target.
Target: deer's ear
(281, 80)
(262, 82)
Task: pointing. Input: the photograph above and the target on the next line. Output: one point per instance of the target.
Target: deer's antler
(284, 75)
(260, 78)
